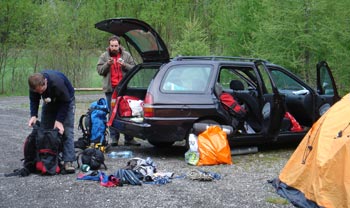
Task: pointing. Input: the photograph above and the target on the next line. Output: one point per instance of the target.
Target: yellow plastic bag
(213, 147)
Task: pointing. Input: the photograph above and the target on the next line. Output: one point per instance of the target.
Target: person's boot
(114, 137)
(68, 167)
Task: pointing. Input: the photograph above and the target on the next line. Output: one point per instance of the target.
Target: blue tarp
(294, 196)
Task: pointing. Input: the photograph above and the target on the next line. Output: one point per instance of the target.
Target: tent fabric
(320, 166)
(295, 197)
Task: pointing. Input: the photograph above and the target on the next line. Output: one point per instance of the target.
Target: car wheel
(161, 144)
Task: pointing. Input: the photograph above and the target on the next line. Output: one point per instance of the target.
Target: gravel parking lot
(243, 184)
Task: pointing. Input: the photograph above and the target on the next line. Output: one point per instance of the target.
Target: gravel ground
(243, 184)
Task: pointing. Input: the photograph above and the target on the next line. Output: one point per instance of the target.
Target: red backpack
(233, 106)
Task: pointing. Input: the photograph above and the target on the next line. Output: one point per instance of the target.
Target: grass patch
(14, 81)
(274, 200)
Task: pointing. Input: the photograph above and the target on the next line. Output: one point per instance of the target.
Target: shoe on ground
(68, 167)
(132, 142)
(200, 176)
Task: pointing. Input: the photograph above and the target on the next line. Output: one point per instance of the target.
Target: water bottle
(85, 168)
(120, 154)
(192, 141)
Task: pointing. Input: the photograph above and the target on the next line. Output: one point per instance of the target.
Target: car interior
(298, 99)
(250, 102)
(243, 125)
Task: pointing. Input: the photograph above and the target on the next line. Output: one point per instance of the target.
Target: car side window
(285, 83)
(243, 76)
(186, 78)
(326, 81)
(267, 85)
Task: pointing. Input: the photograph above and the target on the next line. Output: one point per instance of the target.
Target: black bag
(29, 151)
(48, 147)
(82, 142)
(41, 151)
(92, 157)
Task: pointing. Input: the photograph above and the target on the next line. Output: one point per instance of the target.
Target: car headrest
(236, 85)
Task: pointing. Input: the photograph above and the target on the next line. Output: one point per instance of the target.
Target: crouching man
(58, 108)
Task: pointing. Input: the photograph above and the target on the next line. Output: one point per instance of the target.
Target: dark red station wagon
(179, 92)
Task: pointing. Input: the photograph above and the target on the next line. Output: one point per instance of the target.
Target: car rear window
(142, 78)
(145, 41)
(187, 79)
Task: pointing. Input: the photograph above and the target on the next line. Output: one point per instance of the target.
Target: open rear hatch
(140, 35)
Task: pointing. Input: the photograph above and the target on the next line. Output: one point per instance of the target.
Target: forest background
(60, 34)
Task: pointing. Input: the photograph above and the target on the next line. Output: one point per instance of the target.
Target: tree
(194, 40)
(60, 34)
(15, 25)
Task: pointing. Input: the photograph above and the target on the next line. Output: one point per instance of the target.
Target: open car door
(272, 102)
(326, 86)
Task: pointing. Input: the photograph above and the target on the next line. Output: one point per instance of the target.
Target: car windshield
(187, 78)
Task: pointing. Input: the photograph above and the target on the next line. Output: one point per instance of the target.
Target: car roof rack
(217, 58)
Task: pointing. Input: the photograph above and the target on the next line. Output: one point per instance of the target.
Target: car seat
(237, 114)
(251, 103)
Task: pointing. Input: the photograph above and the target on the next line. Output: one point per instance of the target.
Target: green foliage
(193, 41)
(59, 34)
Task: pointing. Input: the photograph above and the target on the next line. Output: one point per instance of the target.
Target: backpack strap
(22, 172)
(78, 158)
(103, 163)
(82, 126)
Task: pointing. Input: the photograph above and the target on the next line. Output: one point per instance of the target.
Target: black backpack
(92, 157)
(48, 146)
(93, 125)
(41, 150)
(29, 151)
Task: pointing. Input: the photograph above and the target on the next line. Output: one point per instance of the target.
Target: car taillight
(148, 110)
(114, 99)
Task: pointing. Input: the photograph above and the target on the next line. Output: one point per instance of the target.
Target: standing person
(57, 109)
(112, 66)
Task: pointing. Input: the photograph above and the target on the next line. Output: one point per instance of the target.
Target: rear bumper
(158, 130)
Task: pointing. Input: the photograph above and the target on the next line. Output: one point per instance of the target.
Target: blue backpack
(94, 124)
